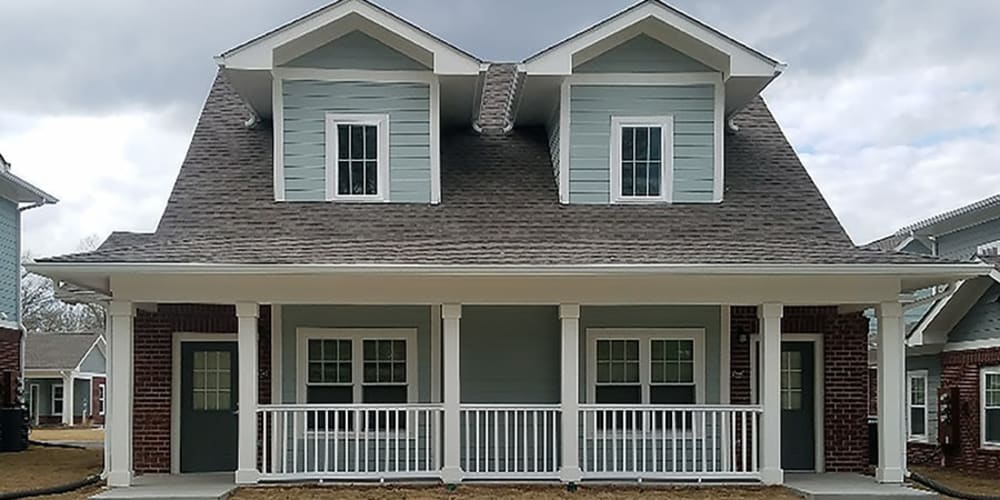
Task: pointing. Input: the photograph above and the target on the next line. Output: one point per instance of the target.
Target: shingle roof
(62, 351)
(893, 240)
(499, 207)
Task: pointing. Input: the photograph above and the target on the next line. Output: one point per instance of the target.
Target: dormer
(635, 106)
(357, 97)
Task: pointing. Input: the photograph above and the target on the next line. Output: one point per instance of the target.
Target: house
(16, 196)
(65, 378)
(953, 343)
(390, 260)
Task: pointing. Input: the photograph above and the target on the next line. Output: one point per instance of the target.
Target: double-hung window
(990, 397)
(57, 399)
(357, 157)
(917, 405)
(641, 159)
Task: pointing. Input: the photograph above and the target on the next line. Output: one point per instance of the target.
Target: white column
(119, 428)
(891, 394)
(246, 337)
(569, 315)
(770, 393)
(68, 399)
(451, 315)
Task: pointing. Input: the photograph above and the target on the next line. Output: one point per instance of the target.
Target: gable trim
(101, 345)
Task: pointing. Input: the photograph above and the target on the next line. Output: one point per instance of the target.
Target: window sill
(990, 447)
(918, 440)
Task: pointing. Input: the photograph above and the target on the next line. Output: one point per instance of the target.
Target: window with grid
(212, 378)
(57, 399)
(330, 377)
(991, 406)
(618, 372)
(641, 158)
(671, 372)
(357, 157)
(791, 380)
(917, 404)
(384, 371)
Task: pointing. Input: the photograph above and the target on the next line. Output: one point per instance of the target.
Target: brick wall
(10, 350)
(961, 369)
(872, 391)
(845, 339)
(153, 371)
(95, 399)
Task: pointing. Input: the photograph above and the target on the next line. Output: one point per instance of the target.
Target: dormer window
(357, 157)
(641, 159)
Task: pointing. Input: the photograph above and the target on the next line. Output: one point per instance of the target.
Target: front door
(208, 407)
(798, 430)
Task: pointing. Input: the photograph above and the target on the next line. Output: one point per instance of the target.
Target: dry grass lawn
(467, 492)
(43, 467)
(67, 434)
(966, 483)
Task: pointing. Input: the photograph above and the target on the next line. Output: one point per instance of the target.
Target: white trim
(350, 75)
(719, 168)
(644, 336)
(277, 334)
(334, 120)
(983, 443)
(970, 345)
(646, 79)
(565, 101)
(819, 387)
(52, 399)
(357, 336)
(102, 397)
(175, 385)
(436, 353)
(435, 138)
(666, 126)
(278, 135)
(725, 354)
(911, 375)
(34, 392)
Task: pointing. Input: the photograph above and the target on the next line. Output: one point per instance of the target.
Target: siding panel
(641, 54)
(982, 322)
(10, 275)
(356, 50)
(962, 244)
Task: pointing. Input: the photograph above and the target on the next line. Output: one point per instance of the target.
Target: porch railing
(350, 441)
(510, 441)
(669, 442)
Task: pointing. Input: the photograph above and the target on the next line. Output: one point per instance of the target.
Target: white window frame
(666, 124)
(988, 248)
(53, 399)
(983, 443)
(333, 120)
(101, 395)
(911, 376)
(645, 336)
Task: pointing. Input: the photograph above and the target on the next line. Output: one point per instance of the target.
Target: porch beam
(119, 423)
(770, 393)
(246, 339)
(891, 393)
(451, 316)
(569, 316)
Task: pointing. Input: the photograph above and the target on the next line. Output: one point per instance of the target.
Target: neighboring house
(403, 262)
(16, 195)
(65, 378)
(953, 342)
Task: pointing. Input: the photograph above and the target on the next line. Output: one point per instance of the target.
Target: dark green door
(798, 415)
(208, 406)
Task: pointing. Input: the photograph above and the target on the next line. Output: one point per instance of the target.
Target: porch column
(451, 315)
(569, 315)
(119, 428)
(68, 399)
(246, 337)
(770, 393)
(891, 394)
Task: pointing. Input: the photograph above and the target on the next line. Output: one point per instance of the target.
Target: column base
(570, 474)
(890, 475)
(247, 476)
(772, 476)
(119, 479)
(451, 475)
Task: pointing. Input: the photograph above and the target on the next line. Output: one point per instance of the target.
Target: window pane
(315, 350)
(371, 178)
(632, 350)
(628, 178)
(641, 144)
(618, 394)
(357, 177)
(344, 177)
(344, 350)
(371, 142)
(384, 350)
(330, 349)
(628, 144)
(631, 372)
(357, 142)
(617, 350)
(993, 425)
(685, 372)
(685, 350)
(658, 350)
(343, 142)
(653, 184)
(399, 372)
(655, 143)
(603, 373)
(917, 421)
(618, 372)
(658, 373)
(370, 347)
(329, 395)
(399, 350)
(330, 371)
(671, 394)
(344, 373)
(603, 350)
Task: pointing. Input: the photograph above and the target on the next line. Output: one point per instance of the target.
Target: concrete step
(839, 486)
(173, 487)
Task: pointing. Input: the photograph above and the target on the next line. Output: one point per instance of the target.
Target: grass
(477, 492)
(39, 467)
(961, 481)
(67, 434)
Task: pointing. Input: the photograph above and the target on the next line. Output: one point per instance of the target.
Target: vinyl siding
(917, 247)
(593, 106)
(962, 244)
(982, 322)
(932, 364)
(306, 103)
(641, 54)
(356, 50)
(552, 129)
(10, 276)
(94, 362)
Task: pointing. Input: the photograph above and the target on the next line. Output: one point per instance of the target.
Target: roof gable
(356, 50)
(641, 54)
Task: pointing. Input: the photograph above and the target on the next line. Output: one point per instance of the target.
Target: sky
(892, 105)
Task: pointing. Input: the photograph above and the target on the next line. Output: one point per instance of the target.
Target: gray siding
(917, 247)
(293, 317)
(306, 103)
(962, 244)
(10, 276)
(94, 362)
(932, 364)
(356, 50)
(510, 354)
(591, 109)
(641, 54)
(44, 393)
(982, 321)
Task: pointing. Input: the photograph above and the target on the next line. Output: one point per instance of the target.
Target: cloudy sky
(894, 106)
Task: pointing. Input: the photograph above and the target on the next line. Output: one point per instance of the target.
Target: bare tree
(43, 311)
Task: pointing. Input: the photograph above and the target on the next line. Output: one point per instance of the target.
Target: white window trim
(910, 377)
(101, 395)
(666, 124)
(983, 443)
(53, 399)
(645, 336)
(332, 179)
(357, 336)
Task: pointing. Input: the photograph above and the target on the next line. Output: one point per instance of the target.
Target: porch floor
(216, 486)
(834, 485)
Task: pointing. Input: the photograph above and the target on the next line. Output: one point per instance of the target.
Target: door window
(212, 380)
